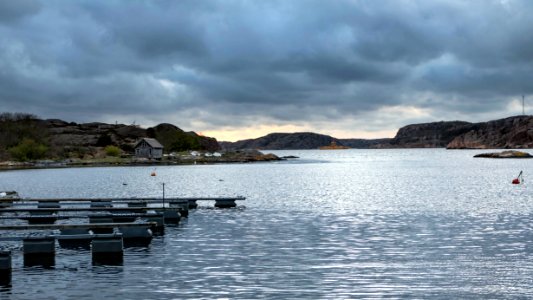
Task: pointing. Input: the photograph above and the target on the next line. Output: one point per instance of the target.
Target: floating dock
(104, 225)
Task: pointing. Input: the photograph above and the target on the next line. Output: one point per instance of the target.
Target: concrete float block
(159, 228)
(44, 217)
(95, 219)
(225, 203)
(171, 216)
(5, 268)
(75, 238)
(107, 250)
(123, 219)
(136, 236)
(137, 204)
(39, 251)
(182, 207)
(101, 204)
(193, 204)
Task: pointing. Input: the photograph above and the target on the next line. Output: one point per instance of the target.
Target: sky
(242, 69)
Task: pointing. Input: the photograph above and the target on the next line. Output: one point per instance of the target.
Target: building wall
(145, 150)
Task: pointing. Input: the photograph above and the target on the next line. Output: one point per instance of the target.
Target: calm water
(334, 224)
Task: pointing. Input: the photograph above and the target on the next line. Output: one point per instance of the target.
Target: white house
(149, 148)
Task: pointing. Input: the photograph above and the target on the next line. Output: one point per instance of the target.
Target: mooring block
(5, 268)
(193, 204)
(225, 203)
(38, 245)
(95, 219)
(159, 228)
(182, 207)
(107, 250)
(137, 204)
(101, 204)
(39, 251)
(5, 261)
(136, 236)
(75, 238)
(171, 216)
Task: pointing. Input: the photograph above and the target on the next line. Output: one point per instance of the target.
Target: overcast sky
(242, 69)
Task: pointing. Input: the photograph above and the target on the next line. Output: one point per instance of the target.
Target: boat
(333, 146)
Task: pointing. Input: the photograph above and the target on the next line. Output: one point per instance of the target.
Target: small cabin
(149, 148)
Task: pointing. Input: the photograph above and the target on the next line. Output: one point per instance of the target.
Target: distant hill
(278, 141)
(513, 132)
(509, 133)
(429, 135)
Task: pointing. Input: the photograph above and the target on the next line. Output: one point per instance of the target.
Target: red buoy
(516, 181)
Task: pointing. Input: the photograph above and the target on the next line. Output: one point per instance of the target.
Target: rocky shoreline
(249, 156)
(505, 154)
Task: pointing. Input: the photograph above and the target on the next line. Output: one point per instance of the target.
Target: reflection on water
(336, 224)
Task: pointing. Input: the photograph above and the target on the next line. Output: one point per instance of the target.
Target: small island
(333, 146)
(505, 154)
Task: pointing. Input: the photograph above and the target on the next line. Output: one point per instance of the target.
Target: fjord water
(331, 224)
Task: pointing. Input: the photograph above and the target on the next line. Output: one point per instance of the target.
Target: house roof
(152, 142)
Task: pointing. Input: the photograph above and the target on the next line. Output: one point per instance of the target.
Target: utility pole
(523, 110)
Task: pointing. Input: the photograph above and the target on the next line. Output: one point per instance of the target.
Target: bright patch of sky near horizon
(236, 70)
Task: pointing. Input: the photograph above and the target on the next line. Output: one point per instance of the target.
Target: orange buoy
(152, 174)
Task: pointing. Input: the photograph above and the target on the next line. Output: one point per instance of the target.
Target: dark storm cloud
(235, 62)
(11, 11)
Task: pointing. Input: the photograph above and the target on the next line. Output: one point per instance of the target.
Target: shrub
(112, 150)
(28, 149)
(104, 140)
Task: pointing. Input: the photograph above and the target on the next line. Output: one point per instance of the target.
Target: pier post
(5, 268)
(39, 251)
(107, 250)
(225, 203)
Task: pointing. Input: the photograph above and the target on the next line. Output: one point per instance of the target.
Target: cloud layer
(350, 68)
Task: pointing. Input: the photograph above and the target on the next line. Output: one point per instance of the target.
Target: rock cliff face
(513, 132)
(280, 141)
(429, 135)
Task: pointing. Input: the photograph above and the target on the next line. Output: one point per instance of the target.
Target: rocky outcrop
(429, 135)
(509, 133)
(175, 139)
(505, 154)
(72, 140)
